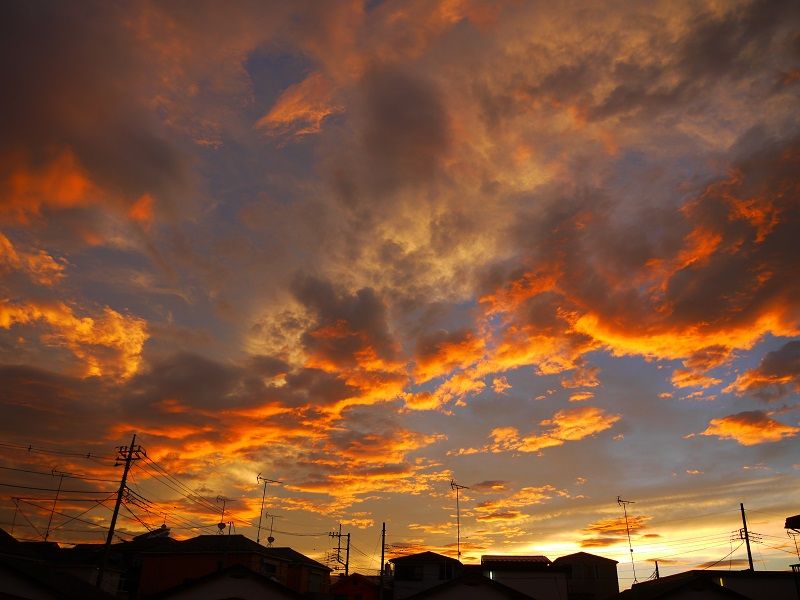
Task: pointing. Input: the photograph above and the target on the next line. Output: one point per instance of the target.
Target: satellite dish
(220, 526)
(270, 539)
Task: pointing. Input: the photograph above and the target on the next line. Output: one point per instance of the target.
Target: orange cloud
(581, 396)
(141, 211)
(507, 509)
(777, 373)
(500, 385)
(584, 376)
(682, 378)
(454, 389)
(608, 532)
(440, 354)
(750, 428)
(39, 266)
(108, 345)
(566, 426)
(301, 108)
(570, 425)
(60, 183)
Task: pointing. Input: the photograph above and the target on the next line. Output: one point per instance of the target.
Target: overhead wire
(724, 557)
(44, 489)
(55, 472)
(82, 513)
(32, 449)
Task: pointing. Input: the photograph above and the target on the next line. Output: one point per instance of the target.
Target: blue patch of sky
(246, 170)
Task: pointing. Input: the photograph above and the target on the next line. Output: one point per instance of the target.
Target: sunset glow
(550, 251)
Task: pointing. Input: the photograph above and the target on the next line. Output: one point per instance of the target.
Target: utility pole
(347, 557)
(55, 501)
(383, 548)
(259, 478)
(456, 487)
(346, 561)
(657, 574)
(623, 504)
(128, 454)
(746, 536)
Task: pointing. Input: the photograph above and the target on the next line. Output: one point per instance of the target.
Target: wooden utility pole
(126, 454)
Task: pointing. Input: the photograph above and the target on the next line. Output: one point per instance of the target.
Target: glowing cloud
(39, 266)
(108, 345)
(750, 428)
(568, 425)
(776, 375)
(301, 108)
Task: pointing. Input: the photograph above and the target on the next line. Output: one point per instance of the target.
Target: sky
(545, 250)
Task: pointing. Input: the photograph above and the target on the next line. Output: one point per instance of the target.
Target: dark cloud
(57, 408)
(777, 375)
(345, 323)
(405, 129)
(755, 215)
(73, 80)
(192, 380)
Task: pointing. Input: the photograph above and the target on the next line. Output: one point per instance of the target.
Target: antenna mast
(456, 487)
(221, 525)
(259, 479)
(623, 504)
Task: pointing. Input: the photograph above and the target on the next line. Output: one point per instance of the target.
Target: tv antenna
(259, 479)
(624, 505)
(221, 525)
(272, 518)
(457, 487)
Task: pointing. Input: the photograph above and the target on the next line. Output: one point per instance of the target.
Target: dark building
(181, 561)
(417, 572)
(589, 577)
(711, 585)
(357, 587)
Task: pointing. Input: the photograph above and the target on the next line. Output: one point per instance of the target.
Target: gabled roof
(42, 576)
(424, 557)
(472, 580)
(583, 557)
(233, 572)
(508, 558)
(234, 544)
(671, 585)
(294, 556)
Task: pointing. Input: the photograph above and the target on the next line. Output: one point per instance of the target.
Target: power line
(54, 472)
(724, 557)
(31, 449)
(43, 489)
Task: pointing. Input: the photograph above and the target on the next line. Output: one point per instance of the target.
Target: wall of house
(229, 587)
(163, 571)
(593, 580)
(410, 579)
(760, 587)
(542, 586)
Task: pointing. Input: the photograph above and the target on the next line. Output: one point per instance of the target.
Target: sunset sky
(550, 250)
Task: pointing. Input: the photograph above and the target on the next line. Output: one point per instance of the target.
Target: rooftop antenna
(221, 525)
(259, 479)
(271, 539)
(457, 487)
(623, 504)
